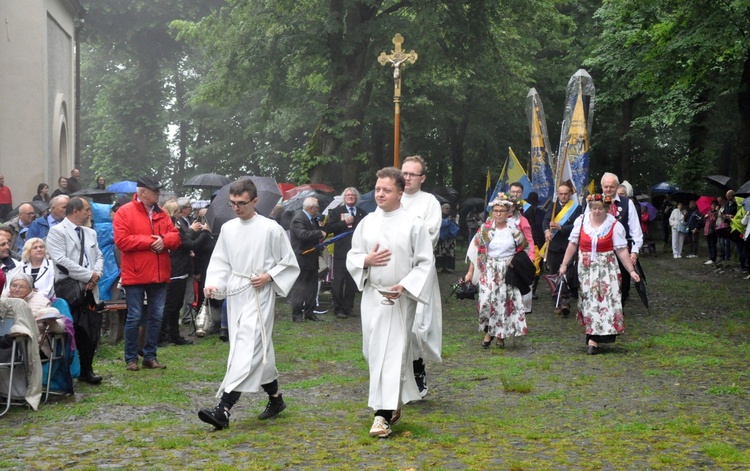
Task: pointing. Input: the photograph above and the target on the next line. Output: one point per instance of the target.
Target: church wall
(36, 94)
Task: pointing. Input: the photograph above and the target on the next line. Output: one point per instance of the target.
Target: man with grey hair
(341, 220)
(41, 226)
(74, 248)
(20, 227)
(305, 233)
(623, 209)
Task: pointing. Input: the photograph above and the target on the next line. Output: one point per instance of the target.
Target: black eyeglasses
(238, 204)
(411, 175)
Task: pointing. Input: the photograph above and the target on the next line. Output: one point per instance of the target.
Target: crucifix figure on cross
(397, 58)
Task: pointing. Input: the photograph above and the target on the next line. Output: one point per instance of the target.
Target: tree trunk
(694, 168)
(626, 146)
(743, 125)
(340, 130)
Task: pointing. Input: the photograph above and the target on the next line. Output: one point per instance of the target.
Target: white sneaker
(710, 262)
(747, 277)
(691, 256)
(380, 428)
(678, 256)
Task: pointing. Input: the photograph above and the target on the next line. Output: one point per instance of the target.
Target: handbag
(71, 291)
(464, 289)
(520, 272)
(683, 228)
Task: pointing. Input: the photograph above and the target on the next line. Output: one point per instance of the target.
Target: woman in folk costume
(599, 238)
(501, 311)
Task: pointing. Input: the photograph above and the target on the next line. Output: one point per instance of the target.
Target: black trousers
(344, 287)
(87, 325)
(170, 323)
(625, 278)
(302, 297)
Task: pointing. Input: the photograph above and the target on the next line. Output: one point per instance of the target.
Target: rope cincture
(236, 291)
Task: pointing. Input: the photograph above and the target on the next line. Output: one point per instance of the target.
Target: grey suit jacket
(64, 248)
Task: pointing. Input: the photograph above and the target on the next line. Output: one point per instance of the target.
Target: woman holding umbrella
(600, 240)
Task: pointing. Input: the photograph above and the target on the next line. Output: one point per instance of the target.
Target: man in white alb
(251, 263)
(390, 261)
(428, 327)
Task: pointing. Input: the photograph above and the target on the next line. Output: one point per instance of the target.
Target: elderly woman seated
(21, 286)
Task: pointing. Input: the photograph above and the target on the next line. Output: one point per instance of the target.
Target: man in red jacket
(144, 233)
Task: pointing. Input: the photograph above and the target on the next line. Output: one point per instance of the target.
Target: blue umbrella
(664, 187)
(125, 186)
(652, 212)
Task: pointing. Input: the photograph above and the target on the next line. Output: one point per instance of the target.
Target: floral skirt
(599, 303)
(501, 312)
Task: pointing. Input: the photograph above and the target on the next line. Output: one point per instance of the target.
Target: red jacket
(133, 236)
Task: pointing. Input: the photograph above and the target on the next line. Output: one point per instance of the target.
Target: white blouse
(502, 244)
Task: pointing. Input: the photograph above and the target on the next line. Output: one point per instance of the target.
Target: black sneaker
(218, 417)
(421, 383)
(273, 408)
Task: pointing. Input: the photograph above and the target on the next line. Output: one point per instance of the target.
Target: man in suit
(343, 219)
(64, 244)
(305, 233)
(557, 230)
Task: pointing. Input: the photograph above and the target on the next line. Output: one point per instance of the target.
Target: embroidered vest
(603, 244)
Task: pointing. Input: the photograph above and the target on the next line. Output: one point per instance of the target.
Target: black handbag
(520, 272)
(464, 290)
(71, 291)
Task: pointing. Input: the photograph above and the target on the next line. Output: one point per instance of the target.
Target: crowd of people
(392, 256)
(725, 225)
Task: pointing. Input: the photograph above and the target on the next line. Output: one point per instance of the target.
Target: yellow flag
(591, 188)
(489, 181)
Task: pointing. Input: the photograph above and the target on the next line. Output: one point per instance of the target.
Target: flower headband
(599, 197)
(501, 199)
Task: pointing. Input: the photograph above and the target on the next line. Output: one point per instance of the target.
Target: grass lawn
(671, 393)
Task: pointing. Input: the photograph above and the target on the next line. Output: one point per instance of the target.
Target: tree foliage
(292, 89)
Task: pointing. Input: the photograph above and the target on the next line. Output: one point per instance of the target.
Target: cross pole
(397, 58)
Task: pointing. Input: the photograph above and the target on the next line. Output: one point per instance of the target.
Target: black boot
(273, 408)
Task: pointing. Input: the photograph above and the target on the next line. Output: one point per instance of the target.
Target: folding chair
(57, 360)
(12, 368)
(25, 382)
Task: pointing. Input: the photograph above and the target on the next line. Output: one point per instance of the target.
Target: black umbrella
(723, 182)
(92, 192)
(448, 193)
(443, 199)
(640, 287)
(39, 208)
(684, 197)
(220, 212)
(211, 181)
(477, 204)
(744, 190)
(294, 204)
